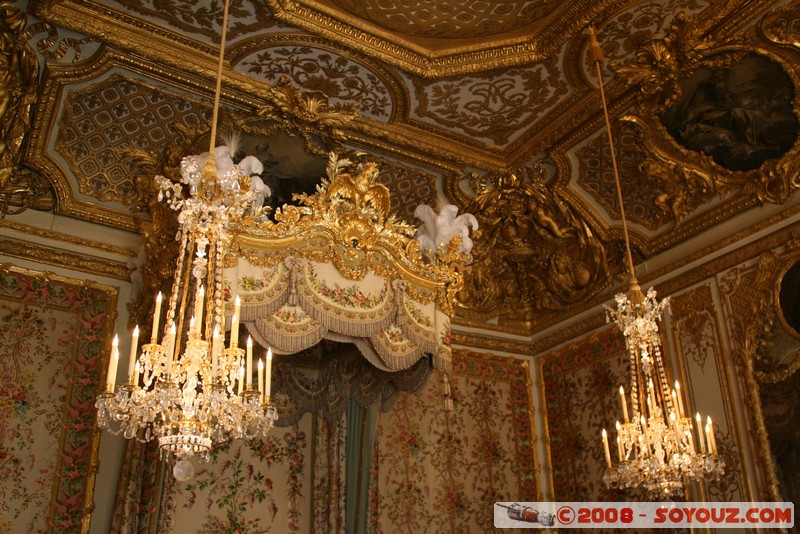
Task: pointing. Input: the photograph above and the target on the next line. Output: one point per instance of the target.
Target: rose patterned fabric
(439, 472)
(52, 337)
(581, 384)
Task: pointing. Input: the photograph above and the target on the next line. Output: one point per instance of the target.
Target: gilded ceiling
(492, 106)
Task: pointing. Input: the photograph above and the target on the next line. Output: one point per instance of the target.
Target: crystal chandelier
(655, 445)
(189, 391)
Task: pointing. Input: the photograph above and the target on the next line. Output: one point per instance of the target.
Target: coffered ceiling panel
(479, 103)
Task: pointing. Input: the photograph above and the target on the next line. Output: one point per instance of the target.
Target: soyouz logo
(644, 514)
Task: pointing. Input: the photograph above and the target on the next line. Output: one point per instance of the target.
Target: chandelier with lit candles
(191, 390)
(658, 447)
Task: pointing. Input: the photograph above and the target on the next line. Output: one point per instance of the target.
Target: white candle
(624, 403)
(700, 433)
(681, 412)
(261, 379)
(241, 379)
(712, 439)
(249, 374)
(113, 362)
(605, 448)
(134, 346)
(156, 318)
(200, 298)
(235, 323)
(268, 375)
(619, 450)
(136, 370)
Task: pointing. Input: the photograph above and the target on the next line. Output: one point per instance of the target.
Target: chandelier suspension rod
(218, 87)
(597, 56)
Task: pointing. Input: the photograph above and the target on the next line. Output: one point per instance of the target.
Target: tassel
(446, 394)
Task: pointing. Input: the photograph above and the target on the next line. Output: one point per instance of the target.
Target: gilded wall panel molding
(694, 319)
(68, 322)
(60, 258)
(496, 344)
(517, 373)
(703, 372)
(578, 382)
(67, 239)
(747, 296)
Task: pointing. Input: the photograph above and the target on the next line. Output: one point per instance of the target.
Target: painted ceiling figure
(533, 253)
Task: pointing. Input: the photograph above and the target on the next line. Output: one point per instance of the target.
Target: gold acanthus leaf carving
(660, 63)
(347, 222)
(686, 188)
(305, 114)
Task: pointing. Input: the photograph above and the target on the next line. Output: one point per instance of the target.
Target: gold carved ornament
(533, 253)
(19, 85)
(347, 222)
(691, 178)
(306, 114)
(19, 70)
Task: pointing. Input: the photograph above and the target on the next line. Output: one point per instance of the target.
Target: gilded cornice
(592, 323)
(486, 342)
(596, 321)
(128, 32)
(60, 258)
(412, 57)
(66, 238)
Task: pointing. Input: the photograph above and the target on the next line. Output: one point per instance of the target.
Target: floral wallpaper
(580, 382)
(252, 487)
(52, 337)
(435, 471)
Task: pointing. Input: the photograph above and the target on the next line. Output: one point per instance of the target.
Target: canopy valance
(339, 266)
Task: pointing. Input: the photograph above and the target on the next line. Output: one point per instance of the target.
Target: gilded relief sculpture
(723, 107)
(19, 70)
(533, 254)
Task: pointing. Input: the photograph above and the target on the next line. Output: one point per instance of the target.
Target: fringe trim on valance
(394, 360)
(289, 342)
(359, 325)
(443, 359)
(254, 312)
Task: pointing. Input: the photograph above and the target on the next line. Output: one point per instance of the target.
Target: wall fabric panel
(53, 337)
(440, 472)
